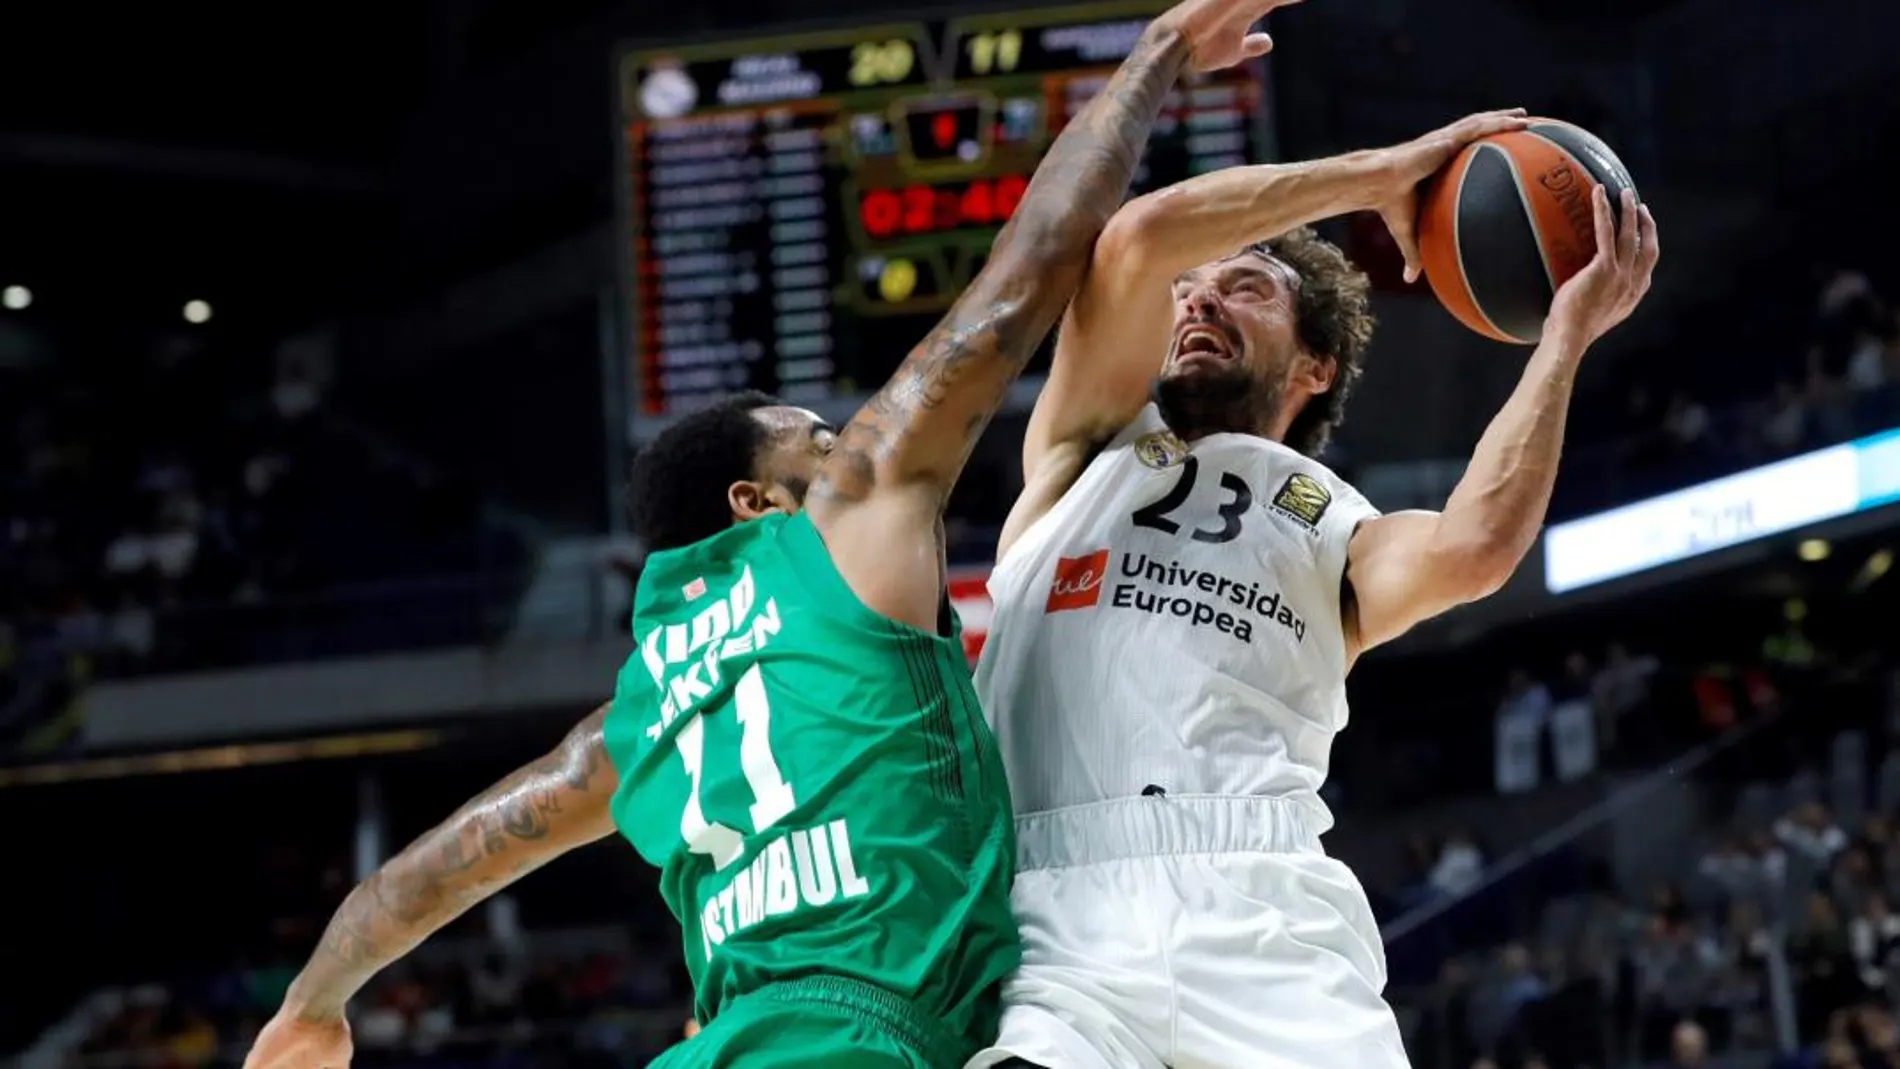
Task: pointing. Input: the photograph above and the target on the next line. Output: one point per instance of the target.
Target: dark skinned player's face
(1235, 343)
(799, 441)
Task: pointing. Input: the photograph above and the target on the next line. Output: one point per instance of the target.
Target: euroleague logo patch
(1160, 449)
(1303, 498)
(1078, 582)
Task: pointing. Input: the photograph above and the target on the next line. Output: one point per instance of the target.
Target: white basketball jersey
(1174, 622)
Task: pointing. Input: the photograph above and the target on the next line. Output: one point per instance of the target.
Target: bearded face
(1234, 346)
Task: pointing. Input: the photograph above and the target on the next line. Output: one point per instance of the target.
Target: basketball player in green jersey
(795, 742)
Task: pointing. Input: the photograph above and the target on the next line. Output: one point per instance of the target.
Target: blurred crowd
(1680, 423)
(602, 983)
(1687, 973)
(500, 1008)
(1791, 891)
(191, 509)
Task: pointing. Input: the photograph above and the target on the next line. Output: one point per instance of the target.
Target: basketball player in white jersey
(1181, 590)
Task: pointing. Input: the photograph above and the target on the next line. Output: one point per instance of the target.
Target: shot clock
(799, 210)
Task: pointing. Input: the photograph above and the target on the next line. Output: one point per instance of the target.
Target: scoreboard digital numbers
(803, 208)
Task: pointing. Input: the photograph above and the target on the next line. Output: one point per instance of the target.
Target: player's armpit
(531, 817)
(1407, 567)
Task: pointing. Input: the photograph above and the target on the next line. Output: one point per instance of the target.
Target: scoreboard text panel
(803, 208)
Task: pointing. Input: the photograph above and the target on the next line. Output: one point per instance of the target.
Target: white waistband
(1168, 824)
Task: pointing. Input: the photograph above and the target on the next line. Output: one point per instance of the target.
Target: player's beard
(1228, 399)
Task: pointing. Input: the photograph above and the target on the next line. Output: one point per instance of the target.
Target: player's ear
(1315, 374)
(749, 500)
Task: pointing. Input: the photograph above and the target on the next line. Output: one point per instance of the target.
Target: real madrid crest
(1160, 449)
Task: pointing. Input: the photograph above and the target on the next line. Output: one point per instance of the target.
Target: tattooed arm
(541, 811)
(879, 498)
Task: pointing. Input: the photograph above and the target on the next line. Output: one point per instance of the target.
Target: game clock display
(799, 210)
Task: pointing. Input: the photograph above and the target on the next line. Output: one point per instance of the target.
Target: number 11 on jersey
(772, 797)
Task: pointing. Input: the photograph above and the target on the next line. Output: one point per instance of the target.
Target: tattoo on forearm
(1034, 268)
(489, 842)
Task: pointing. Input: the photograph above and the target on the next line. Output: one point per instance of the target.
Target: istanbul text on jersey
(792, 870)
(1150, 584)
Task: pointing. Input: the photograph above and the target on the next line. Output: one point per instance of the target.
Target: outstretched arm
(536, 814)
(881, 493)
(1116, 333)
(1410, 566)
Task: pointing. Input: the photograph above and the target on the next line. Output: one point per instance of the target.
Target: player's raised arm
(896, 460)
(536, 814)
(1410, 566)
(1114, 336)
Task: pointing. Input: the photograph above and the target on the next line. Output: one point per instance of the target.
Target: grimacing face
(1234, 346)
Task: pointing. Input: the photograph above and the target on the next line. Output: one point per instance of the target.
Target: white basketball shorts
(1191, 932)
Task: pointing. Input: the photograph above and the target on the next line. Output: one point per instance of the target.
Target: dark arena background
(327, 332)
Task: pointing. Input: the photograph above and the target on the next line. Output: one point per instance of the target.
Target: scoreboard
(800, 210)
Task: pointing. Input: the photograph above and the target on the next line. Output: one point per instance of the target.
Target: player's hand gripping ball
(1511, 219)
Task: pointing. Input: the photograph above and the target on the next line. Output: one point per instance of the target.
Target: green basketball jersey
(815, 781)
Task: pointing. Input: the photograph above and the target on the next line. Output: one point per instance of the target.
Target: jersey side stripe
(988, 778)
(939, 748)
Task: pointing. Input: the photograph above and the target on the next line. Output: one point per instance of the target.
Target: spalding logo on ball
(1509, 220)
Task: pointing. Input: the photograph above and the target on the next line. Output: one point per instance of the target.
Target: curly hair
(676, 490)
(1333, 309)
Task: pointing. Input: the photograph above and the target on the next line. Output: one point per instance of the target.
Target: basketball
(1509, 220)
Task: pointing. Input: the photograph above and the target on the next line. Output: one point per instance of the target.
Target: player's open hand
(1405, 166)
(1614, 282)
(290, 1042)
(1220, 33)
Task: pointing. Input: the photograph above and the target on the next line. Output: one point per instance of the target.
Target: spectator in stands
(1460, 865)
(1846, 365)
(1730, 868)
(1619, 689)
(1522, 717)
(1686, 422)
(298, 388)
(1688, 1046)
(1524, 696)
(1853, 879)
(1785, 430)
(382, 1025)
(1421, 857)
(1666, 901)
(1843, 289)
(1825, 978)
(1877, 1037)
(1811, 832)
(1873, 936)
(1674, 968)
(1838, 1053)
(1444, 1034)
(1876, 837)
(1740, 992)
(1574, 682)
(192, 1041)
(495, 989)
(1771, 858)
(1499, 1005)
